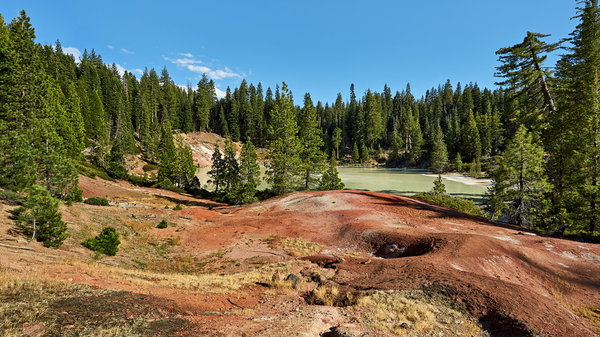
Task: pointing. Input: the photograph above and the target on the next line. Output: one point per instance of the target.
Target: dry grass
(203, 283)
(31, 305)
(293, 246)
(330, 295)
(592, 314)
(411, 314)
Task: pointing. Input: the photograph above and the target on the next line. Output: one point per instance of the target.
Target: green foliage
(150, 167)
(330, 179)
(40, 219)
(309, 135)
(97, 201)
(283, 159)
(439, 153)
(458, 163)
(162, 224)
(438, 186)
(520, 184)
(461, 205)
(11, 198)
(107, 242)
(177, 207)
(249, 173)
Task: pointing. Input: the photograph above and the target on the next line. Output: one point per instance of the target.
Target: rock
(294, 279)
(405, 325)
(337, 331)
(180, 229)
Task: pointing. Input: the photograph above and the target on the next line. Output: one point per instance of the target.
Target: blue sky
(315, 46)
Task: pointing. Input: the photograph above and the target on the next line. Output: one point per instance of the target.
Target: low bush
(150, 167)
(177, 207)
(107, 242)
(461, 205)
(97, 201)
(11, 198)
(163, 224)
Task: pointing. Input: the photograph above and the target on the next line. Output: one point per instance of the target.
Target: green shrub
(150, 167)
(163, 224)
(11, 198)
(97, 201)
(92, 171)
(177, 207)
(107, 242)
(143, 181)
(461, 205)
(40, 219)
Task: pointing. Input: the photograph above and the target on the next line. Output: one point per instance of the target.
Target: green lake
(398, 181)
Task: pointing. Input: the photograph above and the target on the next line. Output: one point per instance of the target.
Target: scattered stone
(137, 216)
(405, 325)
(294, 279)
(180, 229)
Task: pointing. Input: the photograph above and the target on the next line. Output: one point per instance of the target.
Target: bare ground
(383, 265)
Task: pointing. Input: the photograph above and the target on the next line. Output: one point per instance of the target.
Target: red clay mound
(515, 283)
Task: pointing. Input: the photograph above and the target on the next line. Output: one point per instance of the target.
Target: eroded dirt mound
(340, 263)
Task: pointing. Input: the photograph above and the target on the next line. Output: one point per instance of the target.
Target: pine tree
(311, 155)
(438, 186)
(336, 138)
(520, 184)
(231, 174)
(355, 153)
(527, 80)
(283, 158)
(249, 173)
(470, 140)
(575, 131)
(439, 154)
(330, 179)
(217, 171)
(40, 219)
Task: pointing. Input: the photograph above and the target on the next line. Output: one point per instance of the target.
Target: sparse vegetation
(293, 246)
(163, 224)
(409, 313)
(150, 167)
(461, 205)
(96, 201)
(331, 295)
(41, 305)
(107, 242)
(40, 219)
(177, 207)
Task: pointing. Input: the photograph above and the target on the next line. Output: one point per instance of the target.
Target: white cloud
(192, 64)
(220, 93)
(139, 71)
(109, 47)
(188, 55)
(73, 51)
(120, 69)
(125, 51)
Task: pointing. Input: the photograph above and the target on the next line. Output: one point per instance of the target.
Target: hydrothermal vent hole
(397, 249)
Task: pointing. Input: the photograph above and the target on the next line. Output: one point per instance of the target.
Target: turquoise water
(395, 181)
(407, 182)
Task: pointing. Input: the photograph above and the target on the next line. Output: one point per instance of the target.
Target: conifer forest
(536, 134)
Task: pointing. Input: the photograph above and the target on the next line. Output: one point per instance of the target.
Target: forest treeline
(537, 135)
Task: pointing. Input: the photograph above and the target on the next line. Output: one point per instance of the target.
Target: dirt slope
(220, 269)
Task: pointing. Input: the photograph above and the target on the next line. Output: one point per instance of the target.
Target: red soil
(515, 283)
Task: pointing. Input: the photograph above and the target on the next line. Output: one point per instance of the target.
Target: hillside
(383, 264)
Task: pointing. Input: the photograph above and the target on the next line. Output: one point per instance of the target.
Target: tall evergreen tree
(520, 184)
(309, 134)
(283, 158)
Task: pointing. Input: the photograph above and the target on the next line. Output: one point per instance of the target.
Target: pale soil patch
(461, 178)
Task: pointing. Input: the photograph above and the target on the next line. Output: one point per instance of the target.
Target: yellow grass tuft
(411, 314)
(592, 314)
